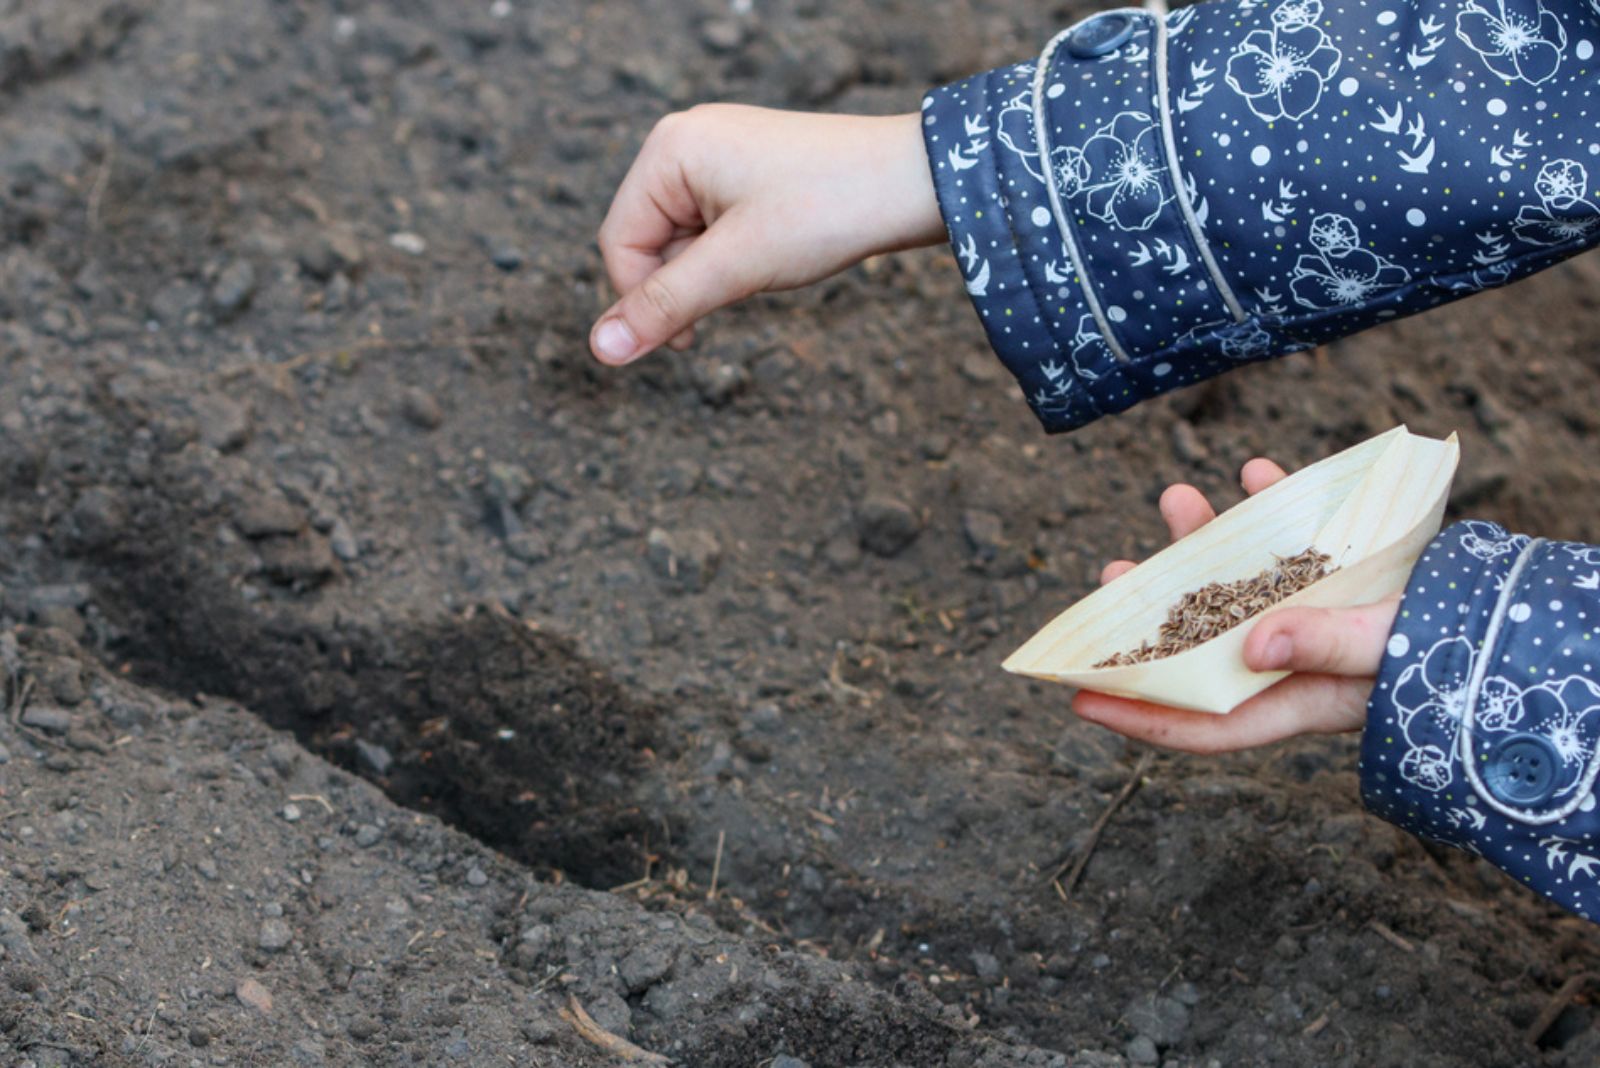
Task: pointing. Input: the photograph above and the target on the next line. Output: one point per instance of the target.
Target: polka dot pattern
(1496, 641)
(1340, 162)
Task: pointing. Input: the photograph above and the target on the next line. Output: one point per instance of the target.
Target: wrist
(905, 208)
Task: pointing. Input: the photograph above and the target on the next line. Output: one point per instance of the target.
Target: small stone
(225, 424)
(175, 303)
(208, 869)
(786, 1061)
(987, 965)
(409, 243)
(199, 1037)
(267, 515)
(687, 559)
(362, 1028)
(275, 936)
(886, 526)
(373, 757)
(329, 251)
(253, 995)
(719, 381)
(529, 546)
(507, 258)
(1163, 1020)
(291, 812)
(1187, 993)
(476, 877)
(646, 966)
(984, 531)
(233, 289)
(5, 755)
(47, 719)
(421, 409)
(1186, 443)
(1143, 1051)
(722, 35)
(368, 835)
(343, 541)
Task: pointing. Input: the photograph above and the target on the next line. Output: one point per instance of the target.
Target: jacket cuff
(1482, 727)
(1080, 244)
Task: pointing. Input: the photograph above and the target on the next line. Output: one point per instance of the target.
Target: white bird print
(960, 162)
(1428, 27)
(1417, 164)
(1053, 370)
(1390, 123)
(969, 252)
(1141, 257)
(1201, 71)
(975, 126)
(1417, 131)
(979, 286)
(1583, 863)
(1053, 275)
(1180, 261)
(1590, 582)
(1418, 59)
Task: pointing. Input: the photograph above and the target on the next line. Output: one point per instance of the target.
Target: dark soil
(367, 646)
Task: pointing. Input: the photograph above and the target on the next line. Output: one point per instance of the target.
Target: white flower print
(1282, 72)
(1487, 541)
(1091, 356)
(1499, 705)
(1120, 172)
(1564, 212)
(1518, 39)
(1563, 713)
(1015, 131)
(1341, 273)
(1431, 697)
(1246, 341)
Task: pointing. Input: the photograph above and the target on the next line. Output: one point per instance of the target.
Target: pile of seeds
(1218, 607)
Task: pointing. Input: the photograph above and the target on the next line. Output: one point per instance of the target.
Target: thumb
(668, 302)
(1327, 641)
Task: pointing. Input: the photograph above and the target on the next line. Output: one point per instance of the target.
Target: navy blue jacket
(1158, 199)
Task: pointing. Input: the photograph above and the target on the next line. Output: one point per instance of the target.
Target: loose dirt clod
(1218, 607)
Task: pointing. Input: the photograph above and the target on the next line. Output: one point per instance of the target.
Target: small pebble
(786, 1061)
(886, 526)
(421, 409)
(476, 877)
(48, 719)
(291, 812)
(1143, 1051)
(368, 835)
(506, 258)
(254, 995)
(409, 243)
(275, 936)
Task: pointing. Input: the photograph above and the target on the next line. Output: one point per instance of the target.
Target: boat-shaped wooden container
(1372, 508)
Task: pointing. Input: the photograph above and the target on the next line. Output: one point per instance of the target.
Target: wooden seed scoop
(1372, 508)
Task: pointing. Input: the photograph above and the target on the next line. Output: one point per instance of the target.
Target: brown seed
(1218, 607)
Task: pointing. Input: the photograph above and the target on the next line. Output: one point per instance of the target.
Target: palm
(1334, 655)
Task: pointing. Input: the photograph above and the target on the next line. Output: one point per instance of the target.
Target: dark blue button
(1100, 35)
(1522, 770)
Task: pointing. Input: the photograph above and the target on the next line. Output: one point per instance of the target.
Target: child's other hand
(1334, 652)
(726, 201)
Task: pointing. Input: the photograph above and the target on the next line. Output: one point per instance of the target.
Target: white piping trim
(1041, 132)
(1464, 738)
(1184, 205)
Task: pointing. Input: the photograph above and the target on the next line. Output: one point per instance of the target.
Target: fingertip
(614, 342)
(1259, 473)
(1185, 509)
(1115, 570)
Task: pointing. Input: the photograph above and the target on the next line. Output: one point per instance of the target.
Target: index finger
(651, 210)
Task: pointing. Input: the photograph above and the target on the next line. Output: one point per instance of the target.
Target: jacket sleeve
(1481, 730)
(1156, 200)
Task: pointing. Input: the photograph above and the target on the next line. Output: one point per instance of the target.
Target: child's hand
(1337, 650)
(727, 201)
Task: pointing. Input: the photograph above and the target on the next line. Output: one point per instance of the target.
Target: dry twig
(1078, 864)
(1557, 1005)
(591, 1032)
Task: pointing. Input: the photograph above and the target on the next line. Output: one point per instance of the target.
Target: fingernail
(615, 341)
(1277, 653)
